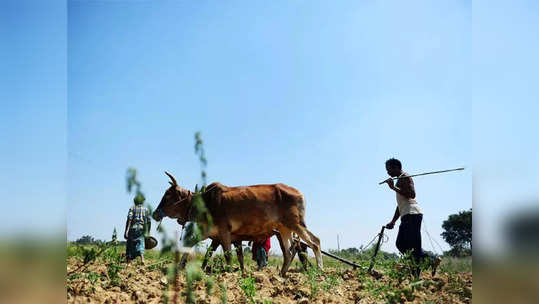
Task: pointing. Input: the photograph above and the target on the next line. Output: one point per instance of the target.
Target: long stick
(332, 255)
(426, 173)
(338, 258)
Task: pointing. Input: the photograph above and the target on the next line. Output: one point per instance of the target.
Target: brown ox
(247, 211)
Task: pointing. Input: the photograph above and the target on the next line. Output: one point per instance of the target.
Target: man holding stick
(409, 236)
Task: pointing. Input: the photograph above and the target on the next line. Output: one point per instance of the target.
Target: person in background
(409, 236)
(136, 226)
(260, 251)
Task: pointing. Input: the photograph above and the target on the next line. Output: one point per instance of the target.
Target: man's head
(393, 167)
(139, 199)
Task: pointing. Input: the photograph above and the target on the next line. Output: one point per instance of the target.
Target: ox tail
(301, 209)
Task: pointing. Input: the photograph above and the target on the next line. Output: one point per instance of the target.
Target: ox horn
(172, 178)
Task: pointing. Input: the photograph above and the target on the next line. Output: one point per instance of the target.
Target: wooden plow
(323, 252)
(350, 263)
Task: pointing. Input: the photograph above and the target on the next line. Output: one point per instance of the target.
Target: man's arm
(404, 187)
(127, 224)
(391, 224)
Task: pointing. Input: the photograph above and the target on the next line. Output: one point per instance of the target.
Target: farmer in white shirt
(409, 236)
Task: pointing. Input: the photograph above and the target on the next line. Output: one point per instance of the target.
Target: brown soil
(138, 286)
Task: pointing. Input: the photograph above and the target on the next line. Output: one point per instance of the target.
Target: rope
(385, 239)
(431, 239)
(183, 199)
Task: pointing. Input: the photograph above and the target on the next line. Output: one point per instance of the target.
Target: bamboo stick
(426, 173)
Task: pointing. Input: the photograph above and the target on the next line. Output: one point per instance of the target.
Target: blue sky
(505, 106)
(33, 91)
(313, 94)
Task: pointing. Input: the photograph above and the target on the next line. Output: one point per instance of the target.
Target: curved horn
(172, 178)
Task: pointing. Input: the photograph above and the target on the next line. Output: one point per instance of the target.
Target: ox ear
(171, 183)
(174, 182)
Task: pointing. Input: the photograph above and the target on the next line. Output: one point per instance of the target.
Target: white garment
(407, 205)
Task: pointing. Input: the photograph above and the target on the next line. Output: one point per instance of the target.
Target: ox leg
(281, 243)
(293, 250)
(239, 253)
(285, 243)
(209, 253)
(227, 246)
(313, 242)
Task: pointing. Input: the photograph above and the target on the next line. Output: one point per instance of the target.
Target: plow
(342, 260)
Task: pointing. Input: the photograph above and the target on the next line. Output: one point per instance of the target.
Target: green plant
(114, 266)
(74, 276)
(210, 283)
(224, 297)
(88, 254)
(249, 288)
(93, 277)
(458, 286)
(199, 150)
(202, 222)
(192, 275)
(454, 265)
(331, 282)
(313, 277)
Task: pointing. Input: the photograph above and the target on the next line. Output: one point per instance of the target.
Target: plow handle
(377, 248)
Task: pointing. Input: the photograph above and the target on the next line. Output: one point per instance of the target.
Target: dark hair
(393, 162)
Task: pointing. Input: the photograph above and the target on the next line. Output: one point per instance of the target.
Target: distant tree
(352, 251)
(114, 236)
(85, 240)
(458, 233)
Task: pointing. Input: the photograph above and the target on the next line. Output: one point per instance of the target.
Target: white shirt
(407, 205)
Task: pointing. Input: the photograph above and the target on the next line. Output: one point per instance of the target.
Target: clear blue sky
(316, 95)
(33, 92)
(505, 106)
(313, 94)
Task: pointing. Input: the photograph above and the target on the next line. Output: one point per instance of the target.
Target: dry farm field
(107, 279)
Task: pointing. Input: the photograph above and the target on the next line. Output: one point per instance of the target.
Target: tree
(352, 251)
(458, 233)
(114, 236)
(85, 240)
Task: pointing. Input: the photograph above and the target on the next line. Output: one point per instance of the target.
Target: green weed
(249, 288)
(223, 288)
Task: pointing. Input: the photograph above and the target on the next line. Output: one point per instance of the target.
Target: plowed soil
(334, 285)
